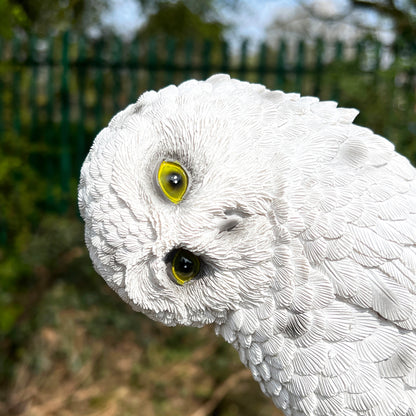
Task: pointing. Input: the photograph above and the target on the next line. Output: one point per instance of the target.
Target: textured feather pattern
(314, 286)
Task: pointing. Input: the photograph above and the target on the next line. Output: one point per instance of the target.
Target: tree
(396, 18)
(179, 21)
(402, 14)
(11, 15)
(207, 9)
(41, 17)
(376, 77)
(320, 19)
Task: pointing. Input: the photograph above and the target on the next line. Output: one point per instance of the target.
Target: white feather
(305, 226)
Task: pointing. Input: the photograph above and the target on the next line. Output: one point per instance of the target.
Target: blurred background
(68, 345)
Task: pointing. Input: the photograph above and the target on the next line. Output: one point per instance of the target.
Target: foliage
(37, 246)
(43, 17)
(11, 15)
(401, 13)
(176, 18)
(352, 20)
(206, 9)
(178, 21)
(384, 97)
(21, 191)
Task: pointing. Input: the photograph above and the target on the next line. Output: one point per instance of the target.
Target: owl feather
(289, 228)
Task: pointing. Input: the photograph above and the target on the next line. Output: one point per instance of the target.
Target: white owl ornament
(278, 220)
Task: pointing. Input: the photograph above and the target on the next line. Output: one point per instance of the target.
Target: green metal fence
(57, 93)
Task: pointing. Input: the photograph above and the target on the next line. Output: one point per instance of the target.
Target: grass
(92, 355)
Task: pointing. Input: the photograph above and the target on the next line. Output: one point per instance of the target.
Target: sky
(250, 21)
(124, 16)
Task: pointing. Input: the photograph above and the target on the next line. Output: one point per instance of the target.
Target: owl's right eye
(173, 180)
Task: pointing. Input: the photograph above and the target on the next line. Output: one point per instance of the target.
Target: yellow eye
(173, 181)
(185, 266)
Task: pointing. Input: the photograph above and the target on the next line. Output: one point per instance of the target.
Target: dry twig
(220, 392)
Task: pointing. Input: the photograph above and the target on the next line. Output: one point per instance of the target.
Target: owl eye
(173, 181)
(185, 266)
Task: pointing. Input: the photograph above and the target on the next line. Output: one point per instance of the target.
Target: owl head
(176, 195)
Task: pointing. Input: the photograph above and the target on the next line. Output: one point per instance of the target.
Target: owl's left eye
(185, 266)
(173, 180)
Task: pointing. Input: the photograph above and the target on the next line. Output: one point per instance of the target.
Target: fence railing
(57, 93)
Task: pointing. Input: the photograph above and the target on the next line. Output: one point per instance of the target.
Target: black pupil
(184, 265)
(175, 180)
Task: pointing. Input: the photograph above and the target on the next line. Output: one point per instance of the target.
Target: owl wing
(359, 223)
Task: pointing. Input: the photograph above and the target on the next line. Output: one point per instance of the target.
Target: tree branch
(334, 18)
(221, 391)
(386, 9)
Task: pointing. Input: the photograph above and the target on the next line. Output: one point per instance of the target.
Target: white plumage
(300, 228)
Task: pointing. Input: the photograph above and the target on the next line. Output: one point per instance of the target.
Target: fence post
(50, 131)
(206, 58)
(243, 60)
(377, 56)
(99, 85)
(170, 60)
(116, 68)
(411, 89)
(281, 66)
(359, 53)
(299, 66)
(152, 62)
(65, 155)
(16, 86)
(134, 70)
(318, 66)
(3, 229)
(189, 49)
(81, 101)
(225, 58)
(339, 52)
(1, 93)
(33, 87)
(261, 67)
